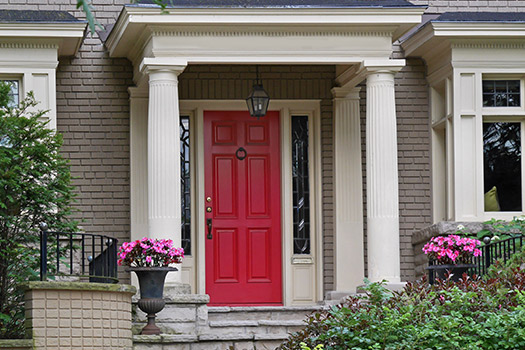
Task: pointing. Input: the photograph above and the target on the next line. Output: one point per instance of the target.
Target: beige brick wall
(64, 316)
(281, 82)
(93, 117)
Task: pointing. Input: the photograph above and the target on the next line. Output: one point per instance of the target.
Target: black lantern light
(258, 100)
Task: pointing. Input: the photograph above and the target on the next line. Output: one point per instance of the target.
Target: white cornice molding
(487, 45)
(28, 45)
(133, 21)
(277, 15)
(270, 33)
(434, 32)
(64, 37)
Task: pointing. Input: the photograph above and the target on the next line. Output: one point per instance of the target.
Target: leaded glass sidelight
(185, 180)
(301, 185)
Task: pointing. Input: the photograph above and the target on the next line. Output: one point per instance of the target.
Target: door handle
(208, 223)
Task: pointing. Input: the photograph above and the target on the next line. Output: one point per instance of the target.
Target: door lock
(208, 209)
(208, 199)
(208, 223)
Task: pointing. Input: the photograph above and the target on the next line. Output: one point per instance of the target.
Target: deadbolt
(208, 199)
(208, 209)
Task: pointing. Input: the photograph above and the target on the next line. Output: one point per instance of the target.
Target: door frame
(295, 269)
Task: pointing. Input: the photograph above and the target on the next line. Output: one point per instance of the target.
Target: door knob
(208, 199)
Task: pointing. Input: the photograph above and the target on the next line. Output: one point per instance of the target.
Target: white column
(348, 192)
(164, 201)
(138, 162)
(382, 177)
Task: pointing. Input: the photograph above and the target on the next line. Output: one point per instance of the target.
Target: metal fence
(77, 256)
(498, 250)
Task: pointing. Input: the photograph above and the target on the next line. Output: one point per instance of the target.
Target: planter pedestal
(151, 285)
(440, 271)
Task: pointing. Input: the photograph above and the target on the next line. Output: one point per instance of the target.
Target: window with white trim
(503, 137)
(14, 94)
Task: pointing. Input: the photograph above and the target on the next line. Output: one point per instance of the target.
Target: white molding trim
(347, 27)
(287, 108)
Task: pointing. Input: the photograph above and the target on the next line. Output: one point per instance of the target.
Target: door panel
(242, 179)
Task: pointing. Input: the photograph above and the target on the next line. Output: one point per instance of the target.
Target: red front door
(243, 208)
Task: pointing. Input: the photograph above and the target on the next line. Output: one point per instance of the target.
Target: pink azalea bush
(149, 252)
(452, 249)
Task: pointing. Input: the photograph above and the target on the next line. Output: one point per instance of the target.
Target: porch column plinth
(164, 204)
(382, 176)
(348, 191)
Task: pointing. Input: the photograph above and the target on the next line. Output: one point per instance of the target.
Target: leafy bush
(34, 187)
(471, 314)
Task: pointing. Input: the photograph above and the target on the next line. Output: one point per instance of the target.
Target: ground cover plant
(34, 187)
(474, 313)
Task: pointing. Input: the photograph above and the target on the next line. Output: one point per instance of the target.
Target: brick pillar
(75, 315)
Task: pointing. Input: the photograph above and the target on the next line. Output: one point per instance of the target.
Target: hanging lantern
(258, 100)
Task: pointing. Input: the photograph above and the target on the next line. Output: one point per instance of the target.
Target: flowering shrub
(149, 252)
(471, 314)
(452, 249)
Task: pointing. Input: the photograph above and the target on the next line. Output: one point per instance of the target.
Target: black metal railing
(497, 250)
(86, 256)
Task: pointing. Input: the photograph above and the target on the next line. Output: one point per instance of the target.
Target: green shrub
(34, 187)
(471, 314)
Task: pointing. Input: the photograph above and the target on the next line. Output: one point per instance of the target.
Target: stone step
(258, 313)
(235, 342)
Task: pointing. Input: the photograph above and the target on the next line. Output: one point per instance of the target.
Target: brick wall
(93, 117)
(281, 82)
(73, 315)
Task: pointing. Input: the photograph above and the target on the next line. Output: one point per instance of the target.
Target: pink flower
(149, 259)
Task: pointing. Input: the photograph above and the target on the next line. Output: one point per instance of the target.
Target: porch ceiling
(309, 35)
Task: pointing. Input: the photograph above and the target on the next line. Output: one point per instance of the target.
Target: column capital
(346, 93)
(382, 66)
(172, 65)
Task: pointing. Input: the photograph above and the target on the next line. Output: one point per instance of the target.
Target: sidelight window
(301, 185)
(185, 184)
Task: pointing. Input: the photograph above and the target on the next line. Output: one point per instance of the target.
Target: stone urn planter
(151, 286)
(441, 271)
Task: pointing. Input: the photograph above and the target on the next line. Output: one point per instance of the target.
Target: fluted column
(164, 201)
(382, 177)
(348, 191)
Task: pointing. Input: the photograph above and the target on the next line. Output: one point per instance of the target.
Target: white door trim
(302, 275)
